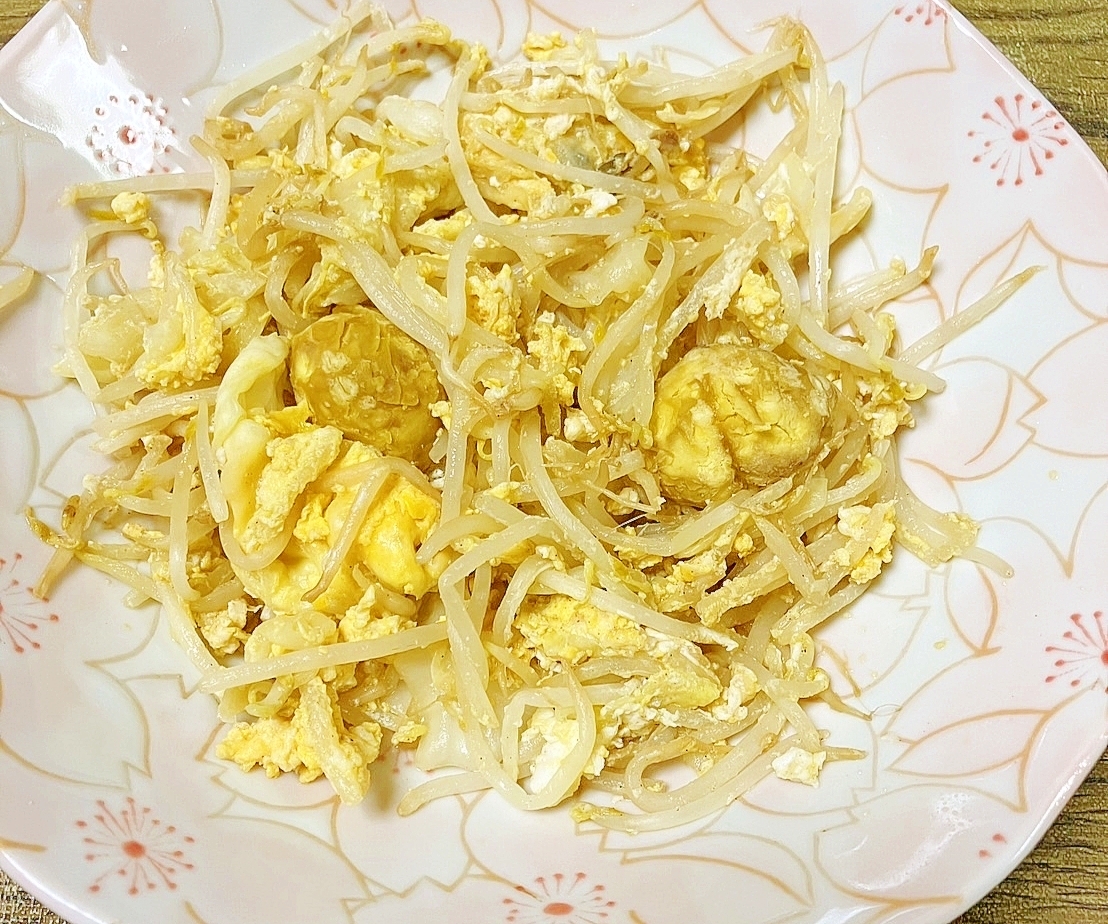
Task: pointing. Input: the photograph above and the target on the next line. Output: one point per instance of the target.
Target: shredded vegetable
(528, 430)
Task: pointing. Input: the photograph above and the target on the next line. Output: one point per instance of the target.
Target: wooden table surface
(1062, 46)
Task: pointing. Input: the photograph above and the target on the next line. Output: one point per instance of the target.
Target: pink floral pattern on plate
(22, 615)
(559, 899)
(1082, 655)
(1019, 137)
(133, 845)
(987, 695)
(928, 12)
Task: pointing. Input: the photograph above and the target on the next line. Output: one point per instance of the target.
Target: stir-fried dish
(528, 429)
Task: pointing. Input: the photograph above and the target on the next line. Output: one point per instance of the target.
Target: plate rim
(975, 888)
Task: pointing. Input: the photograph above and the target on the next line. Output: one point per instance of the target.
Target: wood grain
(1062, 46)
(14, 14)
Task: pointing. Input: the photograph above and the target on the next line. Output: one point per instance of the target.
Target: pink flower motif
(132, 134)
(18, 628)
(998, 839)
(1018, 138)
(559, 899)
(926, 12)
(137, 846)
(1086, 648)
(916, 108)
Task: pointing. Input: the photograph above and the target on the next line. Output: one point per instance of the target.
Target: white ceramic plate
(988, 695)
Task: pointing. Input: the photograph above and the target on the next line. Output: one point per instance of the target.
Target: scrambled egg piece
(131, 207)
(429, 190)
(396, 526)
(683, 687)
(797, 765)
(223, 629)
(503, 181)
(361, 626)
(778, 208)
(870, 533)
(677, 685)
(740, 690)
(757, 306)
(728, 415)
(227, 284)
(294, 463)
(371, 618)
(558, 628)
(384, 550)
(359, 372)
(370, 200)
(494, 301)
(555, 349)
(885, 403)
(358, 187)
(541, 46)
(185, 343)
(448, 227)
(681, 583)
(315, 741)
